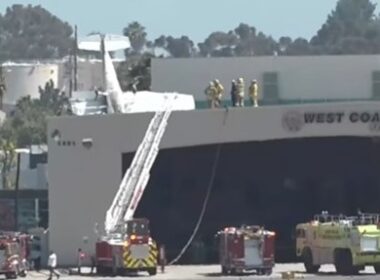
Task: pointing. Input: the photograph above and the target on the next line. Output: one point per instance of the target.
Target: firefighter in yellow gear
(253, 93)
(240, 93)
(219, 92)
(211, 93)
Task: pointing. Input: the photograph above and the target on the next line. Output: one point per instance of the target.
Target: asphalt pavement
(212, 272)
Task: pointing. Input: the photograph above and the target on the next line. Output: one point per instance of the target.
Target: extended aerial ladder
(136, 178)
(127, 245)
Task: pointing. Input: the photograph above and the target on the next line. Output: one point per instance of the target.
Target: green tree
(28, 122)
(31, 32)
(283, 44)
(52, 99)
(243, 41)
(253, 43)
(299, 46)
(135, 72)
(176, 47)
(137, 36)
(180, 47)
(352, 28)
(219, 44)
(28, 119)
(7, 155)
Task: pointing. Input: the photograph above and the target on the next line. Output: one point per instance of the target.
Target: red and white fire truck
(134, 251)
(127, 244)
(14, 251)
(246, 248)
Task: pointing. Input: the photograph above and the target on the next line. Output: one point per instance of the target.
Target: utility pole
(17, 190)
(103, 53)
(3, 88)
(75, 59)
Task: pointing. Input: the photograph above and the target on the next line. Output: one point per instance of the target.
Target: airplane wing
(112, 42)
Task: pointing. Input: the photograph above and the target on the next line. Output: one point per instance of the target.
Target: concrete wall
(83, 181)
(300, 77)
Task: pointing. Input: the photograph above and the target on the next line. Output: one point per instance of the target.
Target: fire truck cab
(246, 248)
(14, 250)
(131, 250)
(350, 243)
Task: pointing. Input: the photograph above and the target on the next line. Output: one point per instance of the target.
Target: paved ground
(212, 272)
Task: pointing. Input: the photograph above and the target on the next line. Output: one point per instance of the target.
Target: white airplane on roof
(117, 100)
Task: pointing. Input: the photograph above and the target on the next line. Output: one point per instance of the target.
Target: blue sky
(194, 18)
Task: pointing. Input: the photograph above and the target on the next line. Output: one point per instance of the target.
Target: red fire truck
(127, 244)
(14, 251)
(246, 248)
(132, 251)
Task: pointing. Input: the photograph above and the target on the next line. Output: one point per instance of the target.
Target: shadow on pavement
(218, 274)
(332, 273)
(129, 275)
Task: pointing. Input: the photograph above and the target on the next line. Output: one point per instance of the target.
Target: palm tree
(2, 87)
(137, 35)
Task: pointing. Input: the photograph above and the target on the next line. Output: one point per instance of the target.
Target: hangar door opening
(274, 183)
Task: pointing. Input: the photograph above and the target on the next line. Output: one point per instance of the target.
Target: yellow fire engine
(350, 243)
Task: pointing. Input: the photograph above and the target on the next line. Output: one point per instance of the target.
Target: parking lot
(213, 272)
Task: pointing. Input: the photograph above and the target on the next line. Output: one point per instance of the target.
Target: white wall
(24, 79)
(300, 77)
(2, 117)
(83, 181)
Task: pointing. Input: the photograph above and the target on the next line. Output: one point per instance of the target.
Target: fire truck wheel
(100, 270)
(268, 271)
(377, 268)
(11, 275)
(307, 257)
(114, 267)
(152, 271)
(344, 263)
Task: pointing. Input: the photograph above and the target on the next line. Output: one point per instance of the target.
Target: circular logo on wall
(292, 121)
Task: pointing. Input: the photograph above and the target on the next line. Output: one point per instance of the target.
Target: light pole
(17, 190)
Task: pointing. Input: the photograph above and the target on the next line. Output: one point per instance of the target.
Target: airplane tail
(128, 102)
(106, 44)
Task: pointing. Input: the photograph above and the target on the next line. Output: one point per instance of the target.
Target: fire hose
(204, 206)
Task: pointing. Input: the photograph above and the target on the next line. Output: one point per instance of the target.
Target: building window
(270, 86)
(26, 214)
(7, 214)
(32, 213)
(376, 84)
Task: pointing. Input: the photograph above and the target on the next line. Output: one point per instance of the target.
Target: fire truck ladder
(136, 178)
